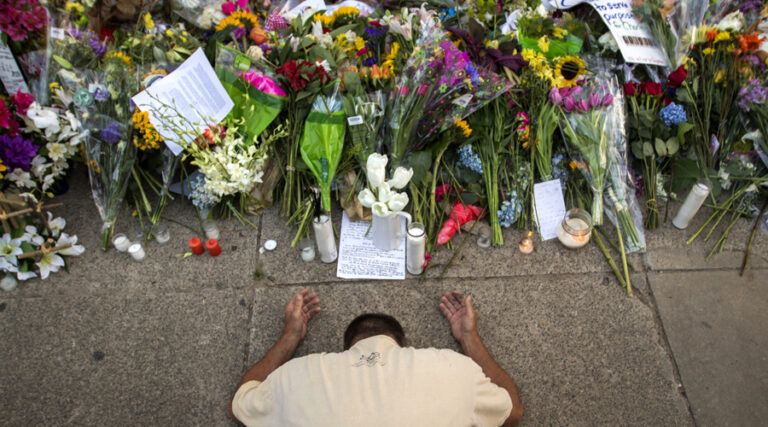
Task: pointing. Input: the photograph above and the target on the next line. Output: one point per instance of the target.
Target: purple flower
(582, 105)
(238, 33)
(555, 97)
(594, 100)
(100, 94)
(275, 22)
(569, 104)
(17, 151)
(99, 48)
(607, 100)
(752, 94)
(370, 61)
(376, 31)
(112, 133)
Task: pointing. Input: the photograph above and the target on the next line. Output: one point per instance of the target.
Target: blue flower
(473, 74)
(673, 114)
(559, 167)
(202, 199)
(112, 134)
(510, 210)
(469, 159)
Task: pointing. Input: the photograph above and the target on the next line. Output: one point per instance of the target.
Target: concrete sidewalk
(163, 342)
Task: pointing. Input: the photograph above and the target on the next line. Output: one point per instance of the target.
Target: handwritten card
(185, 102)
(360, 259)
(10, 74)
(635, 40)
(549, 205)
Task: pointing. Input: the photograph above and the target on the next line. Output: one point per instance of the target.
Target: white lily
(366, 198)
(732, 22)
(376, 169)
(32, 236)
(56, 224)
(44, 119)
(397, 202)
(9, 250)
(49, 263)
(26, 275)
(21, 179)
(74, 249)
(401, 178)
(380, 209)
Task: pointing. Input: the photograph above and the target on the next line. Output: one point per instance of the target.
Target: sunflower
(568, 69)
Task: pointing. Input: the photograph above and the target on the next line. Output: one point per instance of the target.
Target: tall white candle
(415, 248)
(137, 252)
(121, 242)
(326, 241)
(691, 206)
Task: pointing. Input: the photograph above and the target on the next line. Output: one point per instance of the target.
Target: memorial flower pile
(466, 106)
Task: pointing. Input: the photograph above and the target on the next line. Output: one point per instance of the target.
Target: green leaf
(421, 162)
(661, 147)
(637, 149)
(673, 146)
(63, 62)
(648, 149)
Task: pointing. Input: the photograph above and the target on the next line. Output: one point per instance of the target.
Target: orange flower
(711, 34)
(749, 43)
(258, 35)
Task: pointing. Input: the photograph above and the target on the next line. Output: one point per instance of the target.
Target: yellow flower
(719, 76)
(3, 168)
(73, 6)
(493, 44)
(560, 33)
(722, 36)
(573, 164)
(463, 126)
(538, 64)
(568, 69)
(359, 43)
(148, 22)
(53, 86)
(121, 56)
(148, 138)
(708, 51)
(238, 19)
(326, 20)
(345, 12)
(169, 32)
(543, 44)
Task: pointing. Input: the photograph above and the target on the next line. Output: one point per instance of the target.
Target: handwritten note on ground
(360, 259)
(550, 207)
(184, 103)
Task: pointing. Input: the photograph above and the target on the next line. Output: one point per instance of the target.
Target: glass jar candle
(575, 230)
(692, 204)
(307, 249)
(325, 239)
(137, 252)
(121, 242)
(211, 230)
(415, 248)
(162, 235)
(526, 243)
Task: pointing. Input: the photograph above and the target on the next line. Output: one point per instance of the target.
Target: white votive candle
(575, 230)
(121, 242)
(691, 206)
(415, 248)
(308, 254)
(137, 252)
(326, 241)
(211, 230)
(162, 235)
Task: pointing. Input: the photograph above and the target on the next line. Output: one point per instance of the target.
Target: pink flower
(228, 8)
(421, 90)
(555, 97)
(441, 191)
(404, 90)
(607, 100)
(594, 100)
(5, 116)
(263, 83)
(22, 101)
(582, 105)
(569, 104)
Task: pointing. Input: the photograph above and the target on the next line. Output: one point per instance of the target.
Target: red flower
(5, 116)
(630, 88)
(106, 34)
(290, 70)
(442, 190)
(677, 77)
(651, 88)
(22, 101)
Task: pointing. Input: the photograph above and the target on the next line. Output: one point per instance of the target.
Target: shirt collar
(376, 342)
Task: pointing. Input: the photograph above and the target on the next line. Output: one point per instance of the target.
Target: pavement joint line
(662, 333)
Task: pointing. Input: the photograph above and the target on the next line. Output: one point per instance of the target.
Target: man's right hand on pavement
(299, 311)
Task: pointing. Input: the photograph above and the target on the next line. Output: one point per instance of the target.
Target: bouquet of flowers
(587, 123)
(323, 140)
(379, 195)
(438, 86)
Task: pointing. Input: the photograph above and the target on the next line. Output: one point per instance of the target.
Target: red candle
(196, 246)
(213, 247)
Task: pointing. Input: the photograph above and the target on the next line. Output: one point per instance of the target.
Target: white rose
(376, 169)
(397, 202)
(732, 22)
(401, 178)
(380, 209)
(366, 198)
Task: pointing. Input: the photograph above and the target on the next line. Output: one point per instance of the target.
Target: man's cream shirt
(375, 383)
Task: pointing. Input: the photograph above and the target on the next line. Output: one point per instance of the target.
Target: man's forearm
(280, 353)
(474, 348)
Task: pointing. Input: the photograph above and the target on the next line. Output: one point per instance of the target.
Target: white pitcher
(386, 231)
